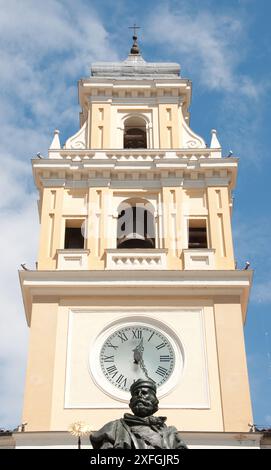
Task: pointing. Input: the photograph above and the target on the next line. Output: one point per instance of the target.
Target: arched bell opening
(136, 227)
(135, 136)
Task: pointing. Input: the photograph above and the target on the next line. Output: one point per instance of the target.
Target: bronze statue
(140, 430)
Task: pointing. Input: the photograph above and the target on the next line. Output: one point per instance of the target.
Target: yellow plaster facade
(93, 208)
(77, 293)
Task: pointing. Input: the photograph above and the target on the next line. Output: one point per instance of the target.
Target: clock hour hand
(137, 356)
(138, 352)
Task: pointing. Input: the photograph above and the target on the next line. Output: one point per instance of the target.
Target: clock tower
(136, 274)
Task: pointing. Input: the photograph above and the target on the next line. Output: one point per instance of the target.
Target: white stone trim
(156, 282)
(78, 140)
(193, 439)
(179, 153)
(151, 168)
(199, 259)
(215, 144)
(135, 259)
(190, 138)
(72, 259)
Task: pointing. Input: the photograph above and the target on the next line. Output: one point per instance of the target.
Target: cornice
(102, 88)
(140, 283)
(137, 82)
(152, 168)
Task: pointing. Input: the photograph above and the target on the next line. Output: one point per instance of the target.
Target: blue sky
(223, 47)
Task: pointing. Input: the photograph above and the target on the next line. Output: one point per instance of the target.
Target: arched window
(135, 133)
(136, 227)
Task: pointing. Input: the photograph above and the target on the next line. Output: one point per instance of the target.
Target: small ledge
(72, 258)
(199, 259)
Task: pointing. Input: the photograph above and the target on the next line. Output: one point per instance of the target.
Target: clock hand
(138, 358)
(138, 352)
(138, 355)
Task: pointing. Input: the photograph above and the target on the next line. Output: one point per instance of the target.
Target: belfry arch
(136, 224)
(135, 133)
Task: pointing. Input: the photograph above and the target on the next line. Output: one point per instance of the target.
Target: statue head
(143, 401)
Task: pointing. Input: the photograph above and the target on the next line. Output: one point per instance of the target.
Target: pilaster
(220, 227)
(235, 396)
(40, 368)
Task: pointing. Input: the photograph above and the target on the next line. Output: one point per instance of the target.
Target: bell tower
(136, 274)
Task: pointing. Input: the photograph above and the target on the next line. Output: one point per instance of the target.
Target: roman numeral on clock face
(137, 334)
(161, 371)
(110, 345)
(151, 336)
(160, 346)
(165, 358)
(108, 358)
(112, 370)
(121, 380)
(122, 336)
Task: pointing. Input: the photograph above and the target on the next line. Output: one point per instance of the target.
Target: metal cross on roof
(135, 48)
(134, 28)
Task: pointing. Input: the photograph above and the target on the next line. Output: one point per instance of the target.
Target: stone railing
(136, 259)
(127, 155)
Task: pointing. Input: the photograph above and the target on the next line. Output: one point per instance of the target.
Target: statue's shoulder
(175, 439)
(113, 434)
(111, 426)
(106, 434)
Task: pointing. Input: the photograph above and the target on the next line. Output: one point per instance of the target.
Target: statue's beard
(142, 408)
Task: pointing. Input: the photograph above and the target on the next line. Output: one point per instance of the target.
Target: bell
(132, 229)
(135, 240)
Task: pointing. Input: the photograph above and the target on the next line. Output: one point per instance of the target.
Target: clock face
(136, 351)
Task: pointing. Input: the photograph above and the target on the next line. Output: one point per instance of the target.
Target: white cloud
(205, 41)
(18, 239)
(45, 48)
(214, 47)
(34, 28)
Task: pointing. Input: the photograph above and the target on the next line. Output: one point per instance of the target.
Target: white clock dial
(136, 351)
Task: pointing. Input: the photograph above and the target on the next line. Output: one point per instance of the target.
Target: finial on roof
(55, 142)
(135, 48)
(215, 144)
